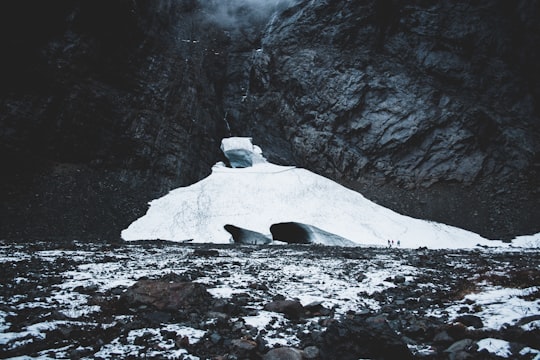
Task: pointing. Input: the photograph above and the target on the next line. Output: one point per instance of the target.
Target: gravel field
(167, 300)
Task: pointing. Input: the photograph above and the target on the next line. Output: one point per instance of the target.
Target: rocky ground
(187, 301)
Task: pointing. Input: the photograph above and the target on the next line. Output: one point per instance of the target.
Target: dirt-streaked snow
(264, 194)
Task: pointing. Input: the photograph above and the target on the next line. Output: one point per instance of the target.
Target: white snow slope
(264, 194)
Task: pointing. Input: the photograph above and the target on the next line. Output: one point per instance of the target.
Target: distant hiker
(389, 243)
(398, 243)
(392, 242)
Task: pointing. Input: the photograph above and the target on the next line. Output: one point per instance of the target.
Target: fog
(241, 13)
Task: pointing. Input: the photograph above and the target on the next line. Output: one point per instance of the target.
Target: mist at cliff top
(240, 13)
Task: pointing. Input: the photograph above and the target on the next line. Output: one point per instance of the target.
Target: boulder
(291, 308)
(461, 349)
(362, 337)
(284, 353)
(165, 295)
(471, 320)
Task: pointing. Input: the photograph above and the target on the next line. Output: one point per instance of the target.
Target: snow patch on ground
(499, 306)
(527, 241)
(503, 348)
(495, 346)
(121, 348)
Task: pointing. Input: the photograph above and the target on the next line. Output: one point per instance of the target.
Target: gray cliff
(431, 109)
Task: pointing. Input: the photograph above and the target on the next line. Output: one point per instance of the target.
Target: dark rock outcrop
(284, 353)
(291, 308)
(429, 109)
(363, 338)
(104, 106)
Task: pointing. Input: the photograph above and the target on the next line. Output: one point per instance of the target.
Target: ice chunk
(241, 152)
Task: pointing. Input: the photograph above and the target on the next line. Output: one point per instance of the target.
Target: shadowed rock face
(104, 106)
(429, 109)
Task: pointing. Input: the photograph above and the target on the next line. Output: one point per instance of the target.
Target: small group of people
(392, 242)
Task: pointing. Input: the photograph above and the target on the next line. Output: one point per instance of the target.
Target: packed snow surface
(256, 197)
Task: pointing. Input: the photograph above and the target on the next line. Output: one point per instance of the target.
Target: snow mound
(527, 241)
(264, 194)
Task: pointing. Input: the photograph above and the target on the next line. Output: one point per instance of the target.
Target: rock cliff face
(429, 109)
(432, 110)
(104, 105)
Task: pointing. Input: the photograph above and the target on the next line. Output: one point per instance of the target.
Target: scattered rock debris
(163, 300)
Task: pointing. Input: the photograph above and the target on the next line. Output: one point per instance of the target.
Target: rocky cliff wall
(430, 109)
(105, 105)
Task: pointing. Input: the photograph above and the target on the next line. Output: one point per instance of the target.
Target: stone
(462, 350)
(361, 337)
(165, 295)
(290, 308)
(284, 353)
(443, 337)
(316, 309)
(311, 352)
(215, 338)
(205, 252)
(245, 344)
(461, 345)
(470, 320)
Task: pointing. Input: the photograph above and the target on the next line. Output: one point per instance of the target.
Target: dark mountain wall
(104, 105)
(429, 109)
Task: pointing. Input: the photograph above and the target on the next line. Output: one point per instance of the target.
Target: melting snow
(495, 346)
(256, 197)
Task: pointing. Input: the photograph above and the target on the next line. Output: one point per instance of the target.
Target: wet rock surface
(86, 300)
